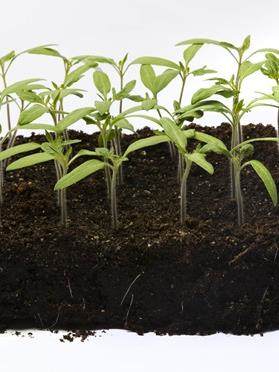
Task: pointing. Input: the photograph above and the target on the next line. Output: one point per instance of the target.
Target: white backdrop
(140, 27)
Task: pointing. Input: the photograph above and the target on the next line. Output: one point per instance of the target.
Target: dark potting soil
(152, 274)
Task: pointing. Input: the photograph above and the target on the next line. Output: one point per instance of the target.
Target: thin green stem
(181, 163)
(183, 192)
(238, 193)
(7, 99)
(113, 198)
(63, 202)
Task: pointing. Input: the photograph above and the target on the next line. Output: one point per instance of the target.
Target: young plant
(108, 159)
(180, 139)
(271, 70)
(239, 156)
(109, 124)
(20, 88)
(157, 83)
(118, 95)
(231, 88)
(56, 149)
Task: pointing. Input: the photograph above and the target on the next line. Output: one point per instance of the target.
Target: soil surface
(152, 274)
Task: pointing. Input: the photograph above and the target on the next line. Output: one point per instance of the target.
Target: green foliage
(42, 105)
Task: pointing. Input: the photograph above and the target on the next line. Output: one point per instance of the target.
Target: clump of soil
(152, 274)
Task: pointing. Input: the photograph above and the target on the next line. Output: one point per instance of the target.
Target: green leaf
(124, 124)
(135, 98)
(148, 104)
(266, 178)
(72, 118)
(7, 57)
(190, 52)
(263, 139)
(102, 106)
(66, 92)
(247, 68)
(18, 150)
(174, 133)
(79, 173)
(102, 82)
(38, 126)
(161, 81)
(204, 93)
(91, 58)
(246, 43)
(44, 50)
(31, 114)
(130, 86)
(202, 71)
(146, 142)
(155, 61)
(28, 161)
(77, 74)
(207, 138)
(223, 44)
(200, 160)
(211, 147)
(23, 84)
(29, 96)
(148, 77)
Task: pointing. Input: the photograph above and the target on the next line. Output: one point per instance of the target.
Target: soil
(152, 274)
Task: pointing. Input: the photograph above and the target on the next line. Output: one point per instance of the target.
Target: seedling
(108, 124)
(271, 70)
(157, 83)
(54, 149)
(22, 88)
(180, 139)
(239, 155)
(231, 88)
(108, 160)
(118, 95)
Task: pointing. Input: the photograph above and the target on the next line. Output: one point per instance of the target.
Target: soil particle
(152, 274)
